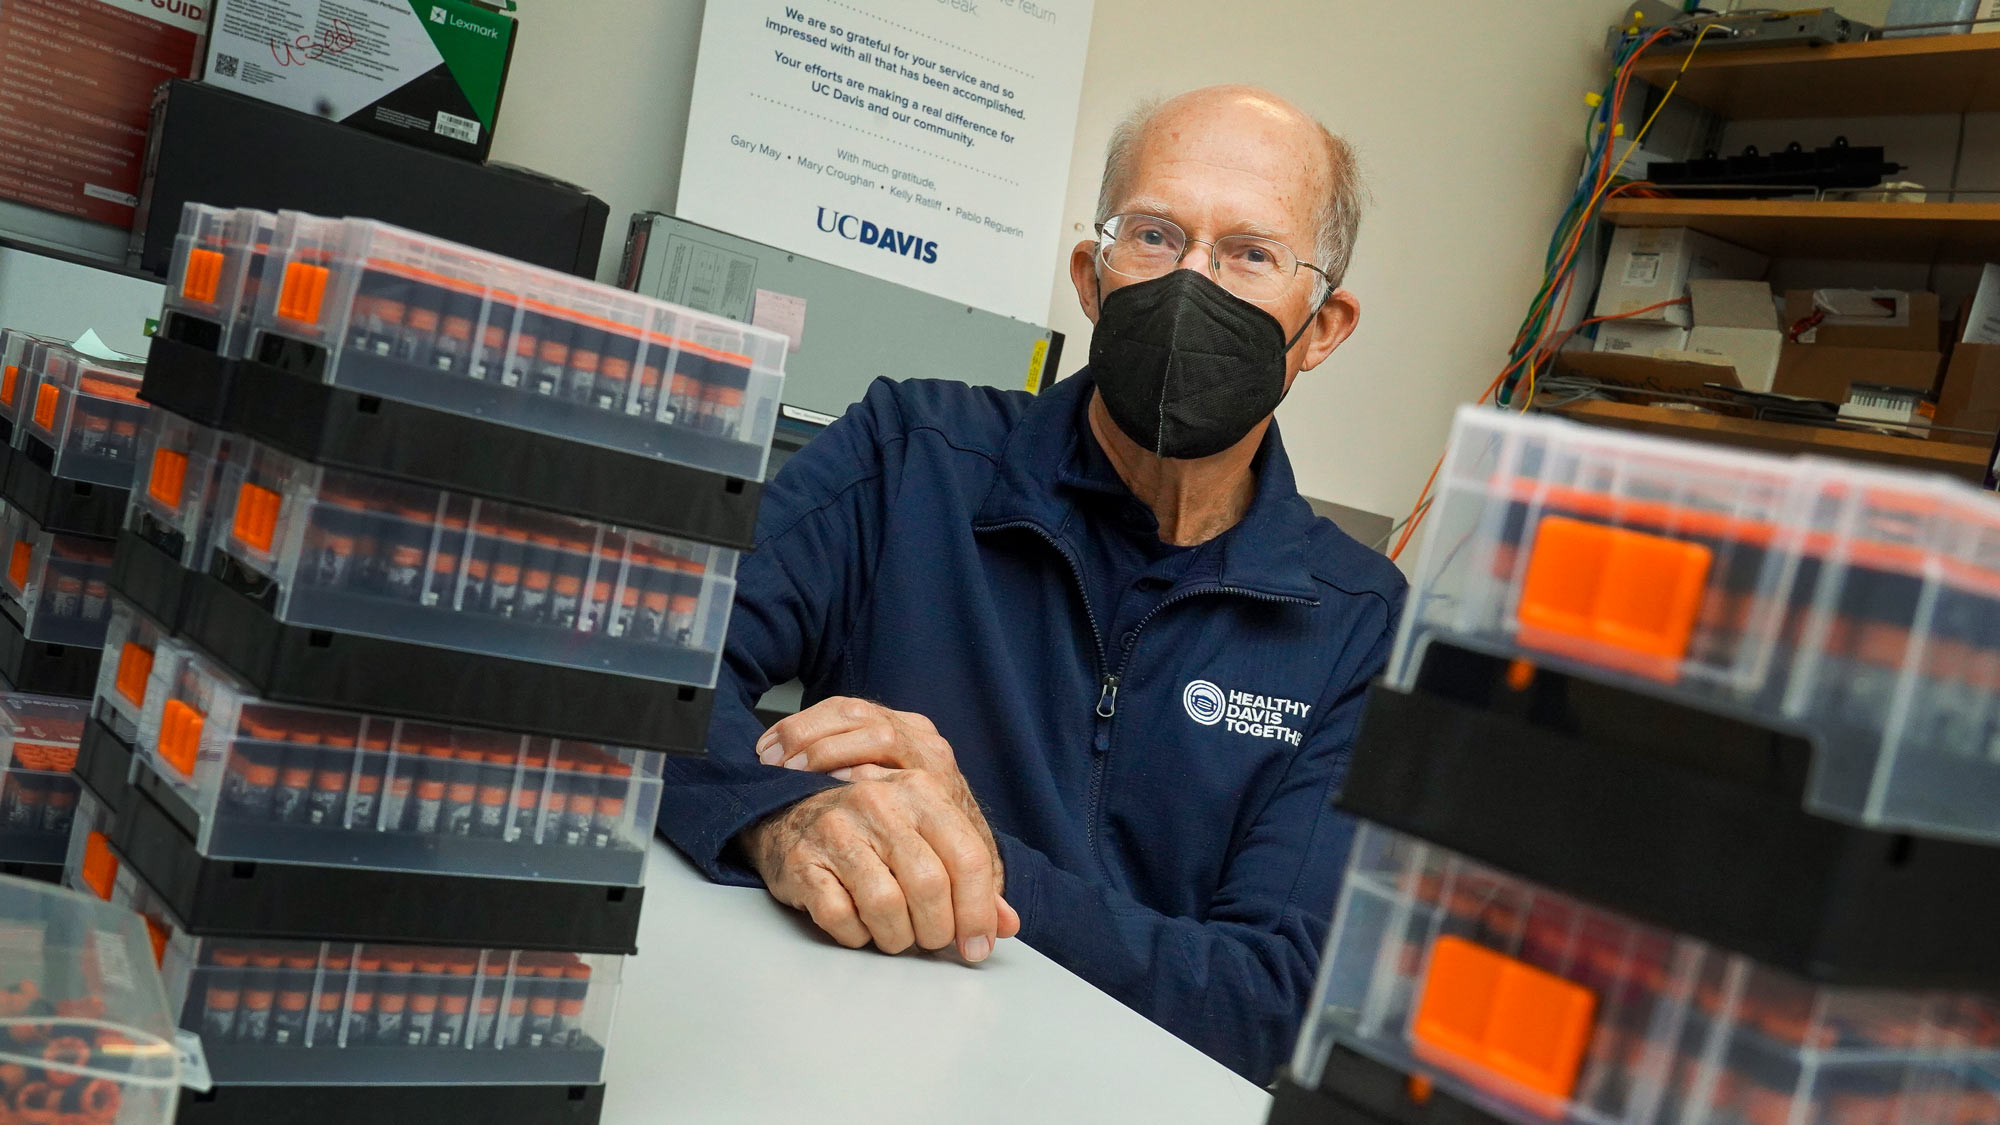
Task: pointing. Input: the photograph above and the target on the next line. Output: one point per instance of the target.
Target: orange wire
(1418, 512)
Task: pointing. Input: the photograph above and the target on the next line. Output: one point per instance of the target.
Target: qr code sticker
(225, 66)
(457, 128)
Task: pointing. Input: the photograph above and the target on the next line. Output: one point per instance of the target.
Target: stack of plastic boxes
(72, 423)
(38, 785)
(1680, 802)
(431, 561)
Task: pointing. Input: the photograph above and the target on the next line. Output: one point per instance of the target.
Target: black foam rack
(104, 765)
(1357, 1090)
(285, 405)
(59, 504)
(351, 672)
(1687, 818)
(148, 575)
(295, 901)
(392, 1105)
(41, 668)
(37, 872)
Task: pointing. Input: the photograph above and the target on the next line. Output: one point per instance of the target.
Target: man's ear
(1336, 321)
(1083, 274)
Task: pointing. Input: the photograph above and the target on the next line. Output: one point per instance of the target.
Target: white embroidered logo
(1242, 712)
(1203, 701)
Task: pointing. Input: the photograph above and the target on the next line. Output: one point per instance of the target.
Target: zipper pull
(1107, 697)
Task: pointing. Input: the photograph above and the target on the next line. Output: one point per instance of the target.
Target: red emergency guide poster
(76, 85)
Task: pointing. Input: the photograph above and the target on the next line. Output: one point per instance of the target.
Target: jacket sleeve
(1236, 982)
(797, 597)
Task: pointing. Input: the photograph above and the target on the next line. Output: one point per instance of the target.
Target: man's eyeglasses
(1143, 247)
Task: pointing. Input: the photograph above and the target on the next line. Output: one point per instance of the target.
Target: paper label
(781, 313)
(194, 1063)
(1038, 358)
(1642, 269)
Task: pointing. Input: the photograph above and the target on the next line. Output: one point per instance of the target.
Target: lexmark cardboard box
(428, 72)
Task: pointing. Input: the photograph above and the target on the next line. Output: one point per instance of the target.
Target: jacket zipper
(1107, 681)
(1107, 684)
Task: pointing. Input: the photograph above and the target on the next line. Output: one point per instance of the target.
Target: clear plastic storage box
(414, 318)
(61, 583)
(38, 791)
(21, 359)
(218, 270)
(89, 1036)
(89, 413)
(133, 643)
(277, 782)
(324, 1013)
(179, 478)
(1858, 605)
(1537, 1007)
(359, 554)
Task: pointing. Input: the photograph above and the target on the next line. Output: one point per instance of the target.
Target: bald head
(1239, 123)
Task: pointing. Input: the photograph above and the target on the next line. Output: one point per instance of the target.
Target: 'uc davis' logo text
(854, 228)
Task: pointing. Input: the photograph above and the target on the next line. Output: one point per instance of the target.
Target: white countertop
(738, 1010)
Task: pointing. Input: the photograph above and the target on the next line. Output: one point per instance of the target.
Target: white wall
(1470, 131)
(1469, 119)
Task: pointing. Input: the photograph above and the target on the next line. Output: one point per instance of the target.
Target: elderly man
(1085, 667)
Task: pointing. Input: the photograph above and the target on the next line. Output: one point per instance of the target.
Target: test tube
(586, 365)
(496, 779)
(421, 1024)
(722, 398)
(427, 806)
(510, 549)
(521, 361)
(96, 600)
(364, 807)
(614, 372)
(68, 596)
(538, 577)
(24, 803)
(327, 805)
(223, 995)
(454, 1001)
(685, 392)
(379, 307)
(59, 805)
(652, 382)
(251, 780)
(392, 997)
(461, 794)
(610, 828)
(580, 813)
(453, 353)
(295, 981)
(567, 1030)
(491, 359)
(552, 355)
(295, 776)
(260, 983)
(405, 541)
(417, 342)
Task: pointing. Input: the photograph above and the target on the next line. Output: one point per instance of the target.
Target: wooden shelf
(1929, 74)
(1967, 462)
(1894, 232)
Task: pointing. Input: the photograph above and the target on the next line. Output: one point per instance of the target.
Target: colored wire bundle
(1540, 335)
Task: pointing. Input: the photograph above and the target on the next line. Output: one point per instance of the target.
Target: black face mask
(1187, 368)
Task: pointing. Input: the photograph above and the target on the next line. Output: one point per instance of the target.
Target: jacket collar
(1263, 554)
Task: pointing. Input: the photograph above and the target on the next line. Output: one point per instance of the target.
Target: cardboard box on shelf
(1863, 318)
(1630, 338)
(428, 74)
(1970, 399)
(1737, 321)
(1648, 265)
(1836, 338)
